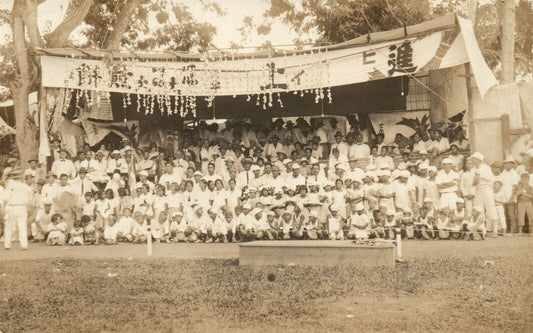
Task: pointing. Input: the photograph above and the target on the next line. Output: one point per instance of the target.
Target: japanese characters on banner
(174, 87)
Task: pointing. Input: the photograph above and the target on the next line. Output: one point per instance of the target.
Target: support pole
(508, 41)
(149, 238)
(470, 110)
(398, 244)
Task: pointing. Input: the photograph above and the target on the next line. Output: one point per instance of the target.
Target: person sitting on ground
(475, 227)
(90, 234)
(111, 230)
(359, 223)
(335, 223)
(57, 231)
(42, 220)
(125, 226)
(76, 234)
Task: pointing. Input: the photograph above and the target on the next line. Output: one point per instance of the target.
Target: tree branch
(75, 15)
(30, 19)
(19, 44)
(121, 25)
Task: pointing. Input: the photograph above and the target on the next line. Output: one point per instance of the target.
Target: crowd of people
(288, 182)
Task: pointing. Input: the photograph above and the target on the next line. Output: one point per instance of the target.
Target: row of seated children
(282, 222)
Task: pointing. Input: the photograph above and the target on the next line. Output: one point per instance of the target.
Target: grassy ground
(432, 292)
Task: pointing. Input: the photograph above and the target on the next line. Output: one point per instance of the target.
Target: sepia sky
(51, 12)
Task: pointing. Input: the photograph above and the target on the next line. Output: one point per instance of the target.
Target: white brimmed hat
(447, 160)
(478, 156)
(509, 159)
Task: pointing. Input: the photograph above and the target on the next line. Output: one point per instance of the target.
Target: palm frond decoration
(420, 126)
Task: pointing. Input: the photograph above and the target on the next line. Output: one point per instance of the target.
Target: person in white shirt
(116, 162)
(296, 178)
(50, 189)
(447, 183)
(510, 179)
(97, 168)
(403, 192)
(169, 176)
(418, 144)
(82, 184)
(64, 165)
(438, 141)
(354, 172)
(273, 147)
(146, 163)
(484, 197)
(359, 150)
(340, 145)
(125, 226)
(244, 177)
(42, 219)
(18, 198)
(456, 157)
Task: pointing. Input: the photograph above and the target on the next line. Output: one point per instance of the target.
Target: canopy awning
(178, 81)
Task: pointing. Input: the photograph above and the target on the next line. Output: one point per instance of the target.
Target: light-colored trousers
(16, 217)
(523, 209)
(485, 198)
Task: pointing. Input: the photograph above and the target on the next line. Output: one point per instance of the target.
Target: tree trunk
(508, 41)
(26, 130)
(27, 134)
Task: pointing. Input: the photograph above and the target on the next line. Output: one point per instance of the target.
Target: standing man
(64, 165)
(484, 197)
(358, 150)
(447, 183)
(18, 198)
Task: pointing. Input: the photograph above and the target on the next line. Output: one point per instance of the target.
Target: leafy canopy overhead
(334, 21)
(164, 25)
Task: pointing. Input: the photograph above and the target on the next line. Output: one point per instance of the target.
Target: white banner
(223, 76)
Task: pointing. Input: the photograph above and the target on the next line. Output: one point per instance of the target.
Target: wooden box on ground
(315, 253)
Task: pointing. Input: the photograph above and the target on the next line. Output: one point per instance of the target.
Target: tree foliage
(334, 21)
(165, 25)
(139, 24)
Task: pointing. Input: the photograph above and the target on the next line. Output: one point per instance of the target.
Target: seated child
(424, 224)
(160, 228)
(125, 226)
(42, 220)
(310, 228)
(198, 227)
(359, 223)
(138, 230)
(76, 234)
(476, 225)
(111, 230)
(218, 227)
(231, 226)
(90, 234)
(335, 223)
(287, 225)
(257, 227)
(441, 225)
(273, 223)
(408, 225)
(178, 227)
(57, 231)
(390, 224)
